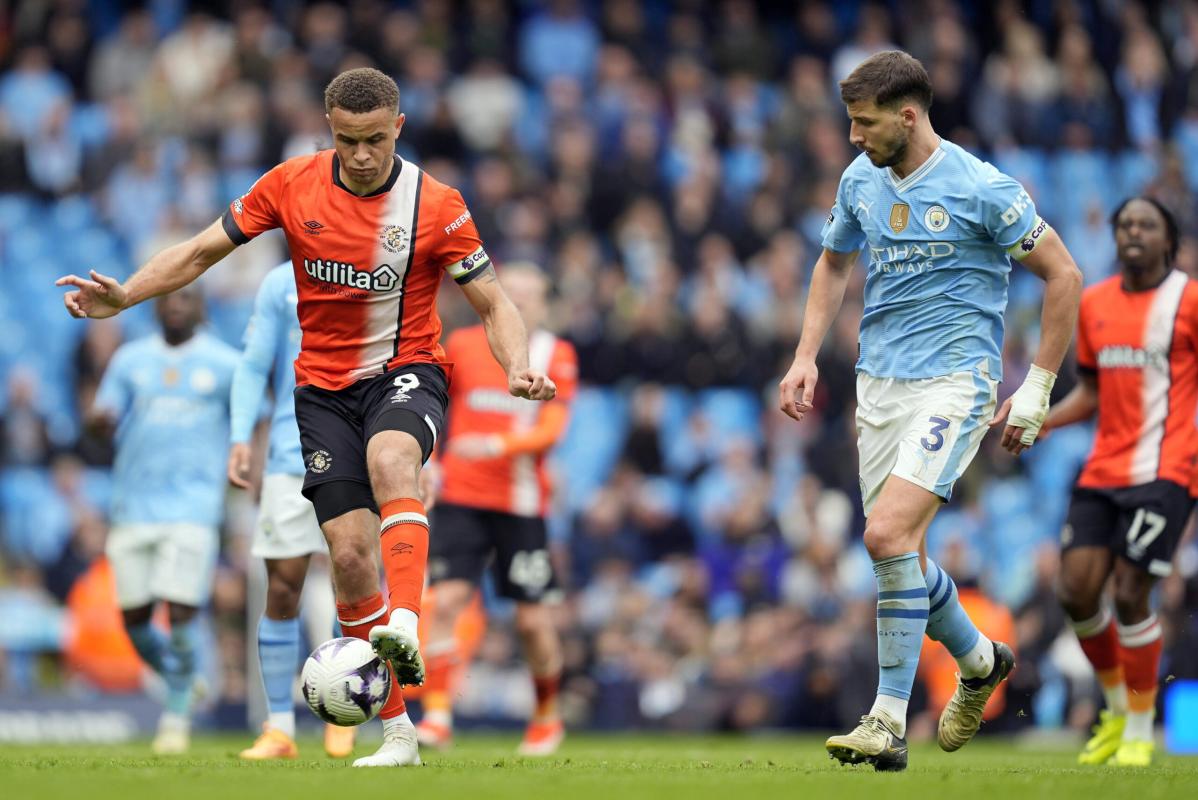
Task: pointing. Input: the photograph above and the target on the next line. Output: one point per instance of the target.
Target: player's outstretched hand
(796, 393)
(531, 384)
(239, 465)
(1025, 411)
(97, 298)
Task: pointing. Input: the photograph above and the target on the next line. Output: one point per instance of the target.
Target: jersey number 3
(935, 438)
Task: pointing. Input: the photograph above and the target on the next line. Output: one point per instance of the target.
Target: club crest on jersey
(393, 238)
(900, 215)
(319, 461)
(936, 219)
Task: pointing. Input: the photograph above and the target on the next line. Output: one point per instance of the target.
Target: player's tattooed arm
(507, 336)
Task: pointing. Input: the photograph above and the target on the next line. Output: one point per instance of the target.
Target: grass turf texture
(611, 768)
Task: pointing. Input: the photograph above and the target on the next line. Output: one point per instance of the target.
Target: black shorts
(334, 426)
(463, 540)
(1141, 523)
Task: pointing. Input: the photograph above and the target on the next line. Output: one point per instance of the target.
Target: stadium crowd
(670, 164)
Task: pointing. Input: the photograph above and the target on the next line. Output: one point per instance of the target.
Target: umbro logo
(313, 227)
(400, 548)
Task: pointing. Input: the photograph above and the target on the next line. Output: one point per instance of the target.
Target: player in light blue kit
(167, 396)
(287, 533)
(939, 227)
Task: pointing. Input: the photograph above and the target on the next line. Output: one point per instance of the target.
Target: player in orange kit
(370, 235)
(1137, 355)
(491, 507)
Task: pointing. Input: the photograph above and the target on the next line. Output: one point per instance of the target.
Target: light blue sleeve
(842, 232)
(253, 369)
(1006, 210)
(115, 394)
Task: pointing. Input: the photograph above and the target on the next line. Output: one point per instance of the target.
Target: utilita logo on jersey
(1132, 358)
(912, 258)
(340, 273)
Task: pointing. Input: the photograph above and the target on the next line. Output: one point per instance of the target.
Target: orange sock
(405, 551)
(545, 687)
(1141, 656)
(356, 620)
(439, 663)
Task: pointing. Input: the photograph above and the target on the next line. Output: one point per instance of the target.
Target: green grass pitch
(606, 768)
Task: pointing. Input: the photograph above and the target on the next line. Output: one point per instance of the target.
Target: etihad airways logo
(383, 279)
(913, 257)
(1133, 357)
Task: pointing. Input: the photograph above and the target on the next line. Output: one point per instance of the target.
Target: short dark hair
(888, 78)
(361, 90)
(1171, 230)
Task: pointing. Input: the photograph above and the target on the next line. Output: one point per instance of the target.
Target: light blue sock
(150, 643)
(278, 652)
(181, 667)
(947, 621)
(902, 618)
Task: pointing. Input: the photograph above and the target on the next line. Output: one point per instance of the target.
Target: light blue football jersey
(172, 410)
(272, 343)
(937, 244)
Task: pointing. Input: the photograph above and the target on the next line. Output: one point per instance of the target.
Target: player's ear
(399, 120)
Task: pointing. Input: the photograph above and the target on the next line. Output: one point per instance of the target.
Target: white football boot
(399, 647)
(399, 746)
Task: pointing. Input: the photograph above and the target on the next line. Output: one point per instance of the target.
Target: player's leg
(174, 726)
(278, 654)
(524, 573)
(1140, 655)
(402, 411)
(1086, 564)
(130, 551)
(460, 545)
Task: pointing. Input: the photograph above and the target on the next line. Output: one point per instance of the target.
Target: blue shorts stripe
(952, 587)
(903, 613)
(904, 594)
(952, 466)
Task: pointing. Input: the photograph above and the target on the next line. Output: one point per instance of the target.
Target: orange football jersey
(516, 483)
(367, 269)
(1143, 347)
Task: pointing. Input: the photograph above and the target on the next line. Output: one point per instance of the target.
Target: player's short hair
(361, 90)
(888, 78)
(1171, 230)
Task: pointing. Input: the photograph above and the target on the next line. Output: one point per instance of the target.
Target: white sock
(439, 717)
(1139, 726)
(978, 662)
(282, 721)
(396, 726)
(894, 710)
(1116, 699)
(405, 618)
(170, 721)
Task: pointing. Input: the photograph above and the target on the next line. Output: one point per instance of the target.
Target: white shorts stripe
(365, 619)
(403, 517)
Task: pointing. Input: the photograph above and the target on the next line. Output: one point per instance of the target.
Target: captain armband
(1028, 243)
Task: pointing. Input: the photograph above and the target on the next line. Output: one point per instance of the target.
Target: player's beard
(898, 151)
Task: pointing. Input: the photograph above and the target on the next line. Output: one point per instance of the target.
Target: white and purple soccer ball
(344, 682)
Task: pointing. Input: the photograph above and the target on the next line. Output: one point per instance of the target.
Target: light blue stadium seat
(592, 444)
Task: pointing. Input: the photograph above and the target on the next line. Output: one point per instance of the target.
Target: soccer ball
(344, 682)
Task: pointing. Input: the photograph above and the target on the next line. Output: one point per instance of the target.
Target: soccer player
(287, 533)
(491, 508)
(1137, 355)
(167, 397)
(939, 227)
(370, 236)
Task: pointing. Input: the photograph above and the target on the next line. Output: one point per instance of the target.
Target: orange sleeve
(456, 245)
(1085, 351)
(256, 211)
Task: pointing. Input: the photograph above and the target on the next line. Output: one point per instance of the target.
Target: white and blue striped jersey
(938, 244)
(171, 405)
(272, 343)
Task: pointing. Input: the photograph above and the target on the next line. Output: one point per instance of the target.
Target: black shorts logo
(319, 461)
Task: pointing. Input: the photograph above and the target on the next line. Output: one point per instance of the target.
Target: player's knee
(884, 539)
(394, 470)
(1131, 601)
(282, 598)
(1077, 599)
(350, 561)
